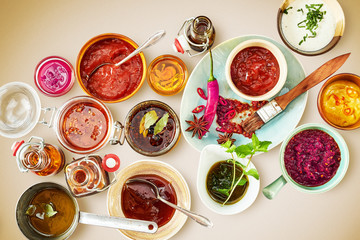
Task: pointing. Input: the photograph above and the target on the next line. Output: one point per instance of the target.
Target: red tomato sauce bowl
(109, 83)
(256, 70)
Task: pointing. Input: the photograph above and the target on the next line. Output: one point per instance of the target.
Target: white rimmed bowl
(210, 155)
(165, 171)
(277, 54)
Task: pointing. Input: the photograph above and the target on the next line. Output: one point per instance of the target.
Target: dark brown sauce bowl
(130, 127)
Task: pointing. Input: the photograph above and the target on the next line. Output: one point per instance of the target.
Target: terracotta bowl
(96, 39)
(343, 76)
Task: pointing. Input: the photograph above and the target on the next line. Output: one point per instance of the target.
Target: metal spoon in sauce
(151, 41)
(198, 218)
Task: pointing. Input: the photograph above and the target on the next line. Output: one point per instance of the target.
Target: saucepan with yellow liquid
(48, 211)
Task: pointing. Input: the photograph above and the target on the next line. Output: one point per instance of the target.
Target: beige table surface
(33, 29)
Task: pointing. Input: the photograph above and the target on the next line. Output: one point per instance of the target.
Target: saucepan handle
(117, 222)
(273, 188)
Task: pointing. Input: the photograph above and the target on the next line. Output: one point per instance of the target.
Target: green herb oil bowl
(210, 155)
(272, 189)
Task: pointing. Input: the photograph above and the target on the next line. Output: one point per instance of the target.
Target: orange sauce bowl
(339, 110)
(167, 75)
(85, 52)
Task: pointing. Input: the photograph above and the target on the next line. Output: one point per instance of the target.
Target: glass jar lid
(54, 76)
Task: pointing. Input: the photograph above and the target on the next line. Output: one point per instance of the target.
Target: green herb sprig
(313, 17)
(243, 151)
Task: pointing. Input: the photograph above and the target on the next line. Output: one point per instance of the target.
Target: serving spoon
(198, 218)
(151, 41)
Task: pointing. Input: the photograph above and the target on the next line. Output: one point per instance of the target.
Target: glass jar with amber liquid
(86, 176)
(38, 157)
(197, 34)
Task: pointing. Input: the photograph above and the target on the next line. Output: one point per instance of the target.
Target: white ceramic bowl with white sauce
(328, 32)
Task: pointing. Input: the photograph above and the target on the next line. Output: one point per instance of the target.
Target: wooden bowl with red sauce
(110, 84)
(256, 70)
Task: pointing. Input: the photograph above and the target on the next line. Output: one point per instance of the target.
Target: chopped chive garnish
(287, 9)
(313, 17)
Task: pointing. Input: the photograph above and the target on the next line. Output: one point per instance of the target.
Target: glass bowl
(20, 109)
(167, 75)
(64, 115)
(133, 136)
(88, 46)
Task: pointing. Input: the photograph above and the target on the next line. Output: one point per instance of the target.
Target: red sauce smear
(255, 71)
(85, 126)
(109, 82)
(230, 112)
(312, 157)
(138, 201)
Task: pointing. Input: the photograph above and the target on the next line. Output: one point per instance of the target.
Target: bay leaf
(161, 123)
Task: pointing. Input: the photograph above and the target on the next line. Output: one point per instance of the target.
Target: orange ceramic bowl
(89, 46)
(348, 77)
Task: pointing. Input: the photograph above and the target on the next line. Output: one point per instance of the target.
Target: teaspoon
(198, 218)
(151, 41)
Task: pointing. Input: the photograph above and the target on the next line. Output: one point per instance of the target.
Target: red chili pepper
(231, 114)
(198, 109)
(222, 101)
(213, 96)
(201, 93)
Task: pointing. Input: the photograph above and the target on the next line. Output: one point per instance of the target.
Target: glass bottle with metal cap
(87, 175)
(198, 34)
(38, 157)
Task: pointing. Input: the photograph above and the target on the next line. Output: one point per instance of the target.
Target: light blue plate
(275, 131)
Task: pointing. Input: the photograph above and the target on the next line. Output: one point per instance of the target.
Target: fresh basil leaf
(252, 172)
(231, 149)
(226, 145)
(255, 141)
(161, 123)
(263, 147)
(242, 181)
(49, 211)
(243, 150)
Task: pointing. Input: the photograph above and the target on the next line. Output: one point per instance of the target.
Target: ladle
(198, 218)
(151, 41)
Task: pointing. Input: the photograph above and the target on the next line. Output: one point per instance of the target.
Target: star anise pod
(226, 137)
(197, 126)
